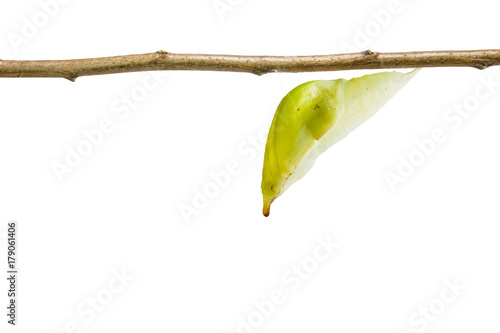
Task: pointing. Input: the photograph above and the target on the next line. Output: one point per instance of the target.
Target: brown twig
(161, 60)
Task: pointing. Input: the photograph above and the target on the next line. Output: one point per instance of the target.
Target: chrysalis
(314, 116)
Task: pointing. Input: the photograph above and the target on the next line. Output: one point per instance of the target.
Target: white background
(119, 209)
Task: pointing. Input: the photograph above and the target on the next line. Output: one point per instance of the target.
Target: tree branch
(161, 60)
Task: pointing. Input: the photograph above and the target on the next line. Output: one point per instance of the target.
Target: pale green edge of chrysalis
(349, 104)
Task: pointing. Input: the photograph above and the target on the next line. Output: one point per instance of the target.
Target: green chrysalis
(315, 115)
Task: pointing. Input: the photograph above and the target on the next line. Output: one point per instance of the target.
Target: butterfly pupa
(315, 115)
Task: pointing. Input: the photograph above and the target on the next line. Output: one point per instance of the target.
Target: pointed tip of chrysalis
(267, 207)
(266, 210)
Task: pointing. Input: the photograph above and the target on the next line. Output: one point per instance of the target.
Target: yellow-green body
(315, 115)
